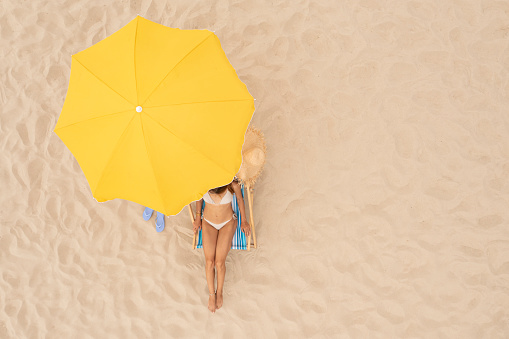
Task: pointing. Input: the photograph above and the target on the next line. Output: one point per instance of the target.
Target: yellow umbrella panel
(155, 115)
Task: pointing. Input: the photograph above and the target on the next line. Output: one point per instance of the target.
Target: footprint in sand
(53, 207)
(23, 134)
(497, 253)
(35, 171)
(42, 129)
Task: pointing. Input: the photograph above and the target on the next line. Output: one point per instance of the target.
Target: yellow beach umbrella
(155, 115)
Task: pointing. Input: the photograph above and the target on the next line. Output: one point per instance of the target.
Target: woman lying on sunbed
(218, 227)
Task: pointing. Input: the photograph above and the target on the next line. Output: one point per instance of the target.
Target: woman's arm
(197, 220)
(199, 203)
(240, 201)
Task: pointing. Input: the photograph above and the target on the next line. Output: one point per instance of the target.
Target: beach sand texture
(382, 211)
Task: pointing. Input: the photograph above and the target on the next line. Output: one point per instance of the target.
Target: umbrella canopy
(155, 115)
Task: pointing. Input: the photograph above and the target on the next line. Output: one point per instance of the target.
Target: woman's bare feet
(212, 302)
(219, 299)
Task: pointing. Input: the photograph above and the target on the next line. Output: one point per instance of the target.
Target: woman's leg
(224, 243)
(209, 234)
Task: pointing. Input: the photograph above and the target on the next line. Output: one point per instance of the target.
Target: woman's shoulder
(235, 185)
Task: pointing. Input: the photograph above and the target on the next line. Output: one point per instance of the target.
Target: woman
(218, 227)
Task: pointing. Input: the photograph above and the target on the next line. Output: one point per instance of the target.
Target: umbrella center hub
(139, 109)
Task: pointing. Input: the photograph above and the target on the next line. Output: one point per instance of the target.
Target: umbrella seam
(101, 80)
(79, 122)
(152, 165)
(189, 144)
(134, 57)
(113, 152)
(200, 102)
(178, 63)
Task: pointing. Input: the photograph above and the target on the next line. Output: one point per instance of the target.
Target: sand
(382, 211)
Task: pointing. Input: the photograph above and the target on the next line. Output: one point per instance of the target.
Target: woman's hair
(220, 189)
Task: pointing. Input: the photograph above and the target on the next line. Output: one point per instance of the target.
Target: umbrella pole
(192, 218)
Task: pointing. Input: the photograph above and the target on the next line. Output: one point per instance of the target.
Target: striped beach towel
(239, 241)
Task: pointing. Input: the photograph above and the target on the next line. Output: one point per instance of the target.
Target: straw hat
(253, 156)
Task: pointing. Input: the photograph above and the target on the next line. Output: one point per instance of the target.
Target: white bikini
(227, 199)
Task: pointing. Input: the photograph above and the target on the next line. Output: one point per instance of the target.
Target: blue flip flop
(147, 213)
(159, 222)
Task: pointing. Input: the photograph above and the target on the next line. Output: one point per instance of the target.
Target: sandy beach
(382, 211)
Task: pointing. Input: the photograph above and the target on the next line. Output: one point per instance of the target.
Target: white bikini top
(227, 198)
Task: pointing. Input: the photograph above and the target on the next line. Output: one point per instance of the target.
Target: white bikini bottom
(219, 226)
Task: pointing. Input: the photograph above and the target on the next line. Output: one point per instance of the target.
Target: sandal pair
(147, 213)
